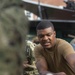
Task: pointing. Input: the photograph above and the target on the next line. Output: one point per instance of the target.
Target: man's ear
(55, 33)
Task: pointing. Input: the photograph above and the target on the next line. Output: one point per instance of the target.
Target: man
(70, 4)
(53, 56)
(35, 40)
(13, 30)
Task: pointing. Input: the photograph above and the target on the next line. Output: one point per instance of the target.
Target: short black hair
(44, 24)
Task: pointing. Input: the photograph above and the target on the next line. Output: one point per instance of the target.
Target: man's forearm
(50, 73)
(46, 73)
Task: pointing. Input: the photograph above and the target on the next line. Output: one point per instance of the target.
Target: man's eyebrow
(46, 33)
(50, 32)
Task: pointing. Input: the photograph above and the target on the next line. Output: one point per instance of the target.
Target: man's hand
(60, 73)
(25, 64)
(49, 73)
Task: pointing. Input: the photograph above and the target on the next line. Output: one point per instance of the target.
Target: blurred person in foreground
(54, 56)
(13, 29)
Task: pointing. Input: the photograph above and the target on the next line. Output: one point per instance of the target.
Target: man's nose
(45, 38)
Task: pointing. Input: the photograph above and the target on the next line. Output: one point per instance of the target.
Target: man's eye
(49, 34)
(40, 36)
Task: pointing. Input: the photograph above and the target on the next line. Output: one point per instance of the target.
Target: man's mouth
(47, 44)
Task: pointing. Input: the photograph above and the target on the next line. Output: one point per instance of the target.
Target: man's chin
(47, 47)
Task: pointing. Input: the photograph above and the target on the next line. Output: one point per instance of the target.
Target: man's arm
(42, 66)
(71, 60)
(43, 69)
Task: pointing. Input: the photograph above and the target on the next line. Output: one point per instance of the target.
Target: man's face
(46, 37)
